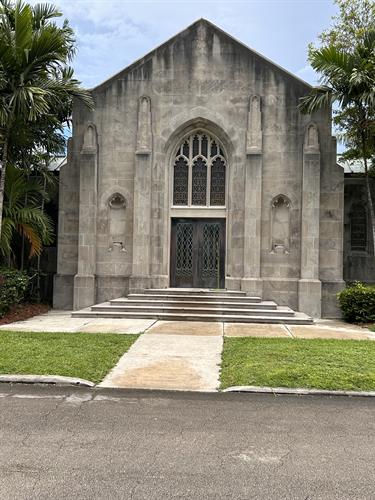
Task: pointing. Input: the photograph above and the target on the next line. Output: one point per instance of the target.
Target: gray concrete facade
(284, 191)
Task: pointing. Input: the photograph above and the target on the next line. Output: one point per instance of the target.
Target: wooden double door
(198, 253)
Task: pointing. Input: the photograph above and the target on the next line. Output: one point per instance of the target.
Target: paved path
(171, 355)
(95, 445)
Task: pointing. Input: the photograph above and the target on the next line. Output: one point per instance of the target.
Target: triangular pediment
(184, 39)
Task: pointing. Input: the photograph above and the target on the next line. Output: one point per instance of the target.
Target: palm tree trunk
(4, 161)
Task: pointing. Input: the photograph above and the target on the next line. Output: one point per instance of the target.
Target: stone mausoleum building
(197, 170)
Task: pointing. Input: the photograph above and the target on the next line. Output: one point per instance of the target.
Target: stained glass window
(199, 176)
(180, 182)
(199, 183)
(217, 193)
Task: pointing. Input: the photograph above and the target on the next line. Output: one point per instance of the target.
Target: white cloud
(308, 74)
(113, 33)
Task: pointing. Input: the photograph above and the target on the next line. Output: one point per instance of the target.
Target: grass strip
(85, 355)
(320, 364)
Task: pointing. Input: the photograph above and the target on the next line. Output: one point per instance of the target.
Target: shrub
(357, 303)
(13, 287)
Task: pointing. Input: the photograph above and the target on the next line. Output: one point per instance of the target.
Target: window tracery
(199, 172)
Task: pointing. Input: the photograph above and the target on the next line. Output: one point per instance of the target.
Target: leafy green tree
(23, 216)
(37, 86)
(350, 26)
(346, 65)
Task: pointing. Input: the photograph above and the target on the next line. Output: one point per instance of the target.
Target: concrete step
(178, 308)
(145, 301)
(194, 291)
(193, 297)
(297, 319)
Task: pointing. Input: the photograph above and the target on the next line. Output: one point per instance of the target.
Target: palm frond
(318, 98)
(44, 12)
(8, 228)
(33, 238)
(331, 61)
(23, 28)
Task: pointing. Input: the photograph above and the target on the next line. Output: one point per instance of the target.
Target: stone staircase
(195, 304)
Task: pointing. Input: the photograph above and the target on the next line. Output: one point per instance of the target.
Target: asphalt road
(76, 444)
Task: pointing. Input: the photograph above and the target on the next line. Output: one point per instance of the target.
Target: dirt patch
(21, 312)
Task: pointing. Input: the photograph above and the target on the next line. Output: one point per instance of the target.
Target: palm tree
(23, 214)
(348, 79)
(35, 79)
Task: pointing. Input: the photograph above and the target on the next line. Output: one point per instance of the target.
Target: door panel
(198, 253)
(182, 254)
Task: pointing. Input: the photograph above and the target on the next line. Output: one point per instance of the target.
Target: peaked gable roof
(180, 34)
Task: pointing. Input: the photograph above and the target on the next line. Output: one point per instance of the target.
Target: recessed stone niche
(117, 222)
(280, 225)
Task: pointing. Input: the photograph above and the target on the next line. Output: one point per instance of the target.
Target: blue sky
(113, 33)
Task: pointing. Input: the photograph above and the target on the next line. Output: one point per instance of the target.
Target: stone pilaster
(251, 282)
(309, 285)
(67, 248)
(140, 278)
(84, 280)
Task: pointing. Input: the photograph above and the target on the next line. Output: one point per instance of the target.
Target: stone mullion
(190, 172)
(208, 183)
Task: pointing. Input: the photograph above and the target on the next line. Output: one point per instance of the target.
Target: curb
(46, 379)
(302, 392)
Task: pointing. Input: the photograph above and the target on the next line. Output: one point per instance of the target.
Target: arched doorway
(198, 222)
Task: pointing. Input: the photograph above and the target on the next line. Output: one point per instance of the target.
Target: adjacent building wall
(359, 260)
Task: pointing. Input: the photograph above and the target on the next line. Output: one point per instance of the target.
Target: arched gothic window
(358, 227)
(199, 172)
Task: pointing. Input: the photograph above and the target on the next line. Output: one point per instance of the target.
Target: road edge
(298, 391)
(46, 379)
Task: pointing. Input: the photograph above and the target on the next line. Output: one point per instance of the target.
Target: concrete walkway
(172, 355)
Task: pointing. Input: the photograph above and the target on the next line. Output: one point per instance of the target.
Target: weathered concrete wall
(203, 79)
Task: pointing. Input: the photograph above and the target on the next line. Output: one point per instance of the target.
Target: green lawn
(86, 355)
(322, 364)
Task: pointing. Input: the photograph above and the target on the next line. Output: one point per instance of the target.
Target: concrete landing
(62, 321)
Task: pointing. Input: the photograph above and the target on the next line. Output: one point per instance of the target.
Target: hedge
(13, 288)
(357, 303)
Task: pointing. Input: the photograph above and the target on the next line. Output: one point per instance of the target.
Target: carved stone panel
(144, 133)
(280, 225)
(311, 144)
(90, 142)
(254, 126)
(116, 223)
